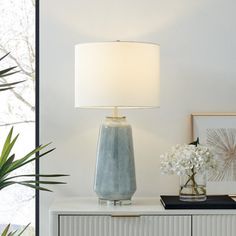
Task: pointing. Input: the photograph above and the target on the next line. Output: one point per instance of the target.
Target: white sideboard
(145, 217)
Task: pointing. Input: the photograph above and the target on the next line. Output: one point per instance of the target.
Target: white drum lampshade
(117, 74)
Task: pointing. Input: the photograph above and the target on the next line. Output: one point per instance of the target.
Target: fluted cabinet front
(214, 225)
(78, 225)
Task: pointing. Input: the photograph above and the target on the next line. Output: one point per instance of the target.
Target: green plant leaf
(37, 175)
(10, 84)
(8, 72)
(6, 184)
(4, 56)
(5, 71)
(23, 230)
(11, 73)
(4, 89)
(7, 150)
(5, 231)
(30, 183)
(42, 182)
(6, 144)
(23, 161)
(12, 233)
(6, 165)
(34, 186)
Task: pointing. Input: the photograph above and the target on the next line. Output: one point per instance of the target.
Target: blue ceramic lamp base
(115, 181)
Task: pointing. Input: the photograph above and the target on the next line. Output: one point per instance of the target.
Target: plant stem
(194, 186)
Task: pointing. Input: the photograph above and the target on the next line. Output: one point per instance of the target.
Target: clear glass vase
(193, 187)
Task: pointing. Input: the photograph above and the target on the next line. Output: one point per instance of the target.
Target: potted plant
(9, 163)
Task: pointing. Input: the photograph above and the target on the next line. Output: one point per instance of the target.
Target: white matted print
(218, 132)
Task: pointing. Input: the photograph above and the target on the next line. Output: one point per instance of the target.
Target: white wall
(198, 73)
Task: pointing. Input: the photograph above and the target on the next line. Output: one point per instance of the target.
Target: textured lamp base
(115, 180)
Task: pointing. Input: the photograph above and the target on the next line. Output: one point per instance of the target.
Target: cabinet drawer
(103, 225)
(214, 225)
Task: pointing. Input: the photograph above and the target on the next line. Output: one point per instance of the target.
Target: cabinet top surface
(139, 206)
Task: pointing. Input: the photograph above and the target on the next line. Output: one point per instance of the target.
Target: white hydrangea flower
(182, 159)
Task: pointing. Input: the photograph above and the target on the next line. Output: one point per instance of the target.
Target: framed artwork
(218, 132)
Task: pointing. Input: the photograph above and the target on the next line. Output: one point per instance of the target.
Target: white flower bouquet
(191, 161)
(182, 159)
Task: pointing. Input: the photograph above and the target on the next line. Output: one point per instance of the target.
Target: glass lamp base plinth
(114, 202)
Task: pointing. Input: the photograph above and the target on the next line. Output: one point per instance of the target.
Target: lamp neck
(115, 112)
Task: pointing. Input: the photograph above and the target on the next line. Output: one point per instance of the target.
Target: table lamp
(116, 75)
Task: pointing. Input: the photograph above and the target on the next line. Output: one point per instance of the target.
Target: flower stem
(194, 186)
